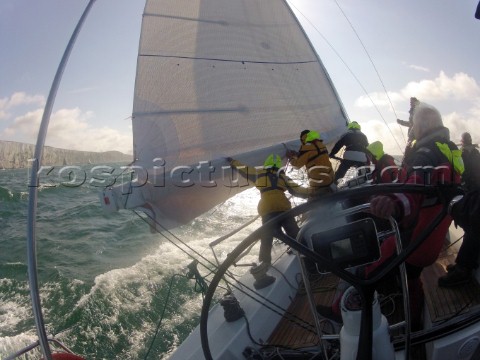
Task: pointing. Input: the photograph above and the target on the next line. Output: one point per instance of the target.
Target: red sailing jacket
(429, 166)
(386, 171)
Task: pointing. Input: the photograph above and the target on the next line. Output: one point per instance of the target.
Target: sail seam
(192, 111)
(230, 60)
(223, 23)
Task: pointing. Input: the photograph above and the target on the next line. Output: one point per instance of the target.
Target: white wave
(11, 344)
(12, 313)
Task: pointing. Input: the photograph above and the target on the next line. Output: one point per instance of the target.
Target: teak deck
(441, 304)
(291, 335)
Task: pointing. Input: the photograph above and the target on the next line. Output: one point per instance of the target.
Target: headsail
(220, 78)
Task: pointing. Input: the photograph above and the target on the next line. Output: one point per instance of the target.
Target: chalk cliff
(15, 155)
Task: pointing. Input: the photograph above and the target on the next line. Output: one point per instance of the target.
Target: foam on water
(104, 279)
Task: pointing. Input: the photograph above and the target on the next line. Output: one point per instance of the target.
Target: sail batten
(219, 78)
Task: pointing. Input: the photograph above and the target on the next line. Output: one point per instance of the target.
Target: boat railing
(229, 235)
(402, 269)
(380, 235)
(36, 344)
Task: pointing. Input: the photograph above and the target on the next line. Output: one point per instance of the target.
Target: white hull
(229, 339)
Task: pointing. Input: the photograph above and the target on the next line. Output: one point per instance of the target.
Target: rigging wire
(373, 65)
(352, 73)
(201, 282)
(453, 243)
(163, 313)
(166, 231)
(284, 313)
(285, 278)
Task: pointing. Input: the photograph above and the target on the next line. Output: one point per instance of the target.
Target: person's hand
(383, 207)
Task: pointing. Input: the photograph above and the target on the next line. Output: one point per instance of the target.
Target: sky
(378, 54)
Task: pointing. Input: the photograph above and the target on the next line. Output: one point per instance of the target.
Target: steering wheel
(365, 287)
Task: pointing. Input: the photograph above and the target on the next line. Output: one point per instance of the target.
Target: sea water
(104, 278)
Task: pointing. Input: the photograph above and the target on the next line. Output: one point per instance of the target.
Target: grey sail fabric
(219, 78)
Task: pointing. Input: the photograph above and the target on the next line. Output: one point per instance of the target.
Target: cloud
(457, 97)
(26, 126)
(393, 137)
(460, 86)
(377, 99)
(69, 129)
(419, 68)
(460, 122)
(19, 99)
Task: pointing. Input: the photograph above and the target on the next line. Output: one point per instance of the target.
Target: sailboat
(240, 78)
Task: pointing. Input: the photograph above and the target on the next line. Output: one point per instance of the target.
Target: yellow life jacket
(454, 156)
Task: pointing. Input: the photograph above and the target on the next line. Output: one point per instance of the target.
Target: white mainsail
(219, 78)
